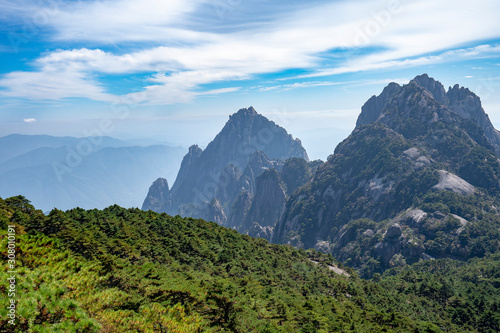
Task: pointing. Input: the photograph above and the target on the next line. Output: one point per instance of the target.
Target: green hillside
(127, 270)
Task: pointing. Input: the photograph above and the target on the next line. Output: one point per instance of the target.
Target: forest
(128, 270)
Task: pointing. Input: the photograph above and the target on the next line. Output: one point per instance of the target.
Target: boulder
(394, 232)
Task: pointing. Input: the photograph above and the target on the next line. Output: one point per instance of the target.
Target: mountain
(70, 172)
(123, 270)
(157, 195)
(210, 181)
(419, 177)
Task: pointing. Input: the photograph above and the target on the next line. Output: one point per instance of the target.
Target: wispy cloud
(311, 84)
(367, 63)
(52, 85)
(168, 41)
(29, 120)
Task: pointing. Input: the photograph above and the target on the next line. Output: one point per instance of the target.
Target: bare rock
(157, 196)
(216, 212)
(387, 250)
(259, 231)
(462, 221)
(425, 256)
(412, 153)
(451, 182)
(323, 246)
(414, 217)
(394, 232)
(438, 215)
(368, 233)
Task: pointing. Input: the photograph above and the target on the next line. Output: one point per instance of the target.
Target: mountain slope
(410, 150)
(120, 270)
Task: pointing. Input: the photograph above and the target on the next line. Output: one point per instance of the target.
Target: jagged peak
(160, 181)
(194, 149)
(250, 111)
(458, 91)
(392, 85)
(247, 116)
(157, 195)
(373, 108)
(433, 86)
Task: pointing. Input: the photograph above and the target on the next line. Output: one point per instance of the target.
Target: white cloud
(399, 34)
(105, 21)
(333, 83)
(368, 62)
(53, 85)
(29, 120)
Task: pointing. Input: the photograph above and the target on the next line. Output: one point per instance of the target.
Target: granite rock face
(393, 233)
(466, 104)
(372, 109)
(434, 87)
(268, 201)
(220, 182)
(451, 182)
(157, 195)
(258, 231)
(239, 210)
(216, 213)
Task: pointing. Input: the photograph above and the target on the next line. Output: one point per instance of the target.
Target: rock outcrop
(157, 195)
(268, 201)
(451, 182)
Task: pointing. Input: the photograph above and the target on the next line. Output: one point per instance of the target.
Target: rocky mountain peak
(188, 165)
(194, 150)
(209, 181)
(247, 131)
(157, 195)
(434, 87)
(372, 109)
(411, 142)
(413, 108)
(245, 112)
(467, 105)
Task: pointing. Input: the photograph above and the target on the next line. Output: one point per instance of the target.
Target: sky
(174, 70)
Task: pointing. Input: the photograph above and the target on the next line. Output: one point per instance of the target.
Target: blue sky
(174, 70)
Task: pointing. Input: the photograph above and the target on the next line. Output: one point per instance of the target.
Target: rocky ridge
(395, 191)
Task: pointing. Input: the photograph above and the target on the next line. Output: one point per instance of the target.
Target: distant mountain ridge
(94, 172)
(14, 145)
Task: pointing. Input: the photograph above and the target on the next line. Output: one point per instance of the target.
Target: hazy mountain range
(94, 172)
